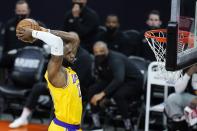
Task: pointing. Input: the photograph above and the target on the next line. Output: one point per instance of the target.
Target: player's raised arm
(56, 74)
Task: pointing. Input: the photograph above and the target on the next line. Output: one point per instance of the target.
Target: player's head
(100, 51)
(81, 3)
(22, 9)
(153, 19)
(112, 23)
(70, 49)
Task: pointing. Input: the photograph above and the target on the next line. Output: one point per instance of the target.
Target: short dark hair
(153, 12)
(112, 15)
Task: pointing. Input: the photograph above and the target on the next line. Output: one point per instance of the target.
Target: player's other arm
(68, 37)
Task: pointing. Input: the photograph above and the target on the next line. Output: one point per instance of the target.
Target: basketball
(28, 23)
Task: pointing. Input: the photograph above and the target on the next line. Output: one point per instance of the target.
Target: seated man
(185, 95)
(117, 77)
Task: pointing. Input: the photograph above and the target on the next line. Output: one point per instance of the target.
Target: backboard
(180, 52)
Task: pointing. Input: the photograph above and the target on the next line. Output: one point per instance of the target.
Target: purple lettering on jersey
(75, 78)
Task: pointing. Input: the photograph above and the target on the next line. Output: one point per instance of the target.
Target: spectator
(84, 21)
(153, 22)
(116, 40)
(185, 95)
(117, 77)
(84, 61)
(9, 40)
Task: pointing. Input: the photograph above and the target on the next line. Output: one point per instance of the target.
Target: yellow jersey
(68, 100)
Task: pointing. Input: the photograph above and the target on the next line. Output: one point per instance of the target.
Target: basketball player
(62, 81)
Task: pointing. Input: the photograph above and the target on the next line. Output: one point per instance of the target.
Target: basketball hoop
(158, 42)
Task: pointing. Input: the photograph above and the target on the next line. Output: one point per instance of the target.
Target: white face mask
(194, 81)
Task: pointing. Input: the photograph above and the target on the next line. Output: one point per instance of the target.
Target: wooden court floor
(30, 127)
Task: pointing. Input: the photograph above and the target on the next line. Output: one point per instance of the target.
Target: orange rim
(162, 39)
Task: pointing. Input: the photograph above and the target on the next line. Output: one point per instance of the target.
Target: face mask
(153, 27)
(112, 30)
(21, 17)
(100, 58)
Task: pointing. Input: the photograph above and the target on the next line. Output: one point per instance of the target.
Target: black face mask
(111, 30)
(99, 59)
(21, 17)
(153, 27)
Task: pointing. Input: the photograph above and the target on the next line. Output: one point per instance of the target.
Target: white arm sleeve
(55, 42)
(181, 83)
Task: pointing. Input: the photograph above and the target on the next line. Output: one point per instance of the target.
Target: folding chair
(154, 78)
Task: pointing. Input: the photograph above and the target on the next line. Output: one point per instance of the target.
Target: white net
(157, 42)
(158, 48)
